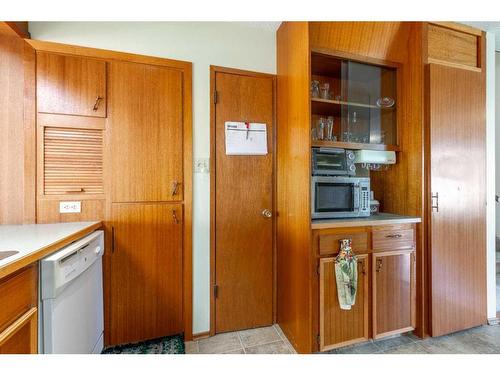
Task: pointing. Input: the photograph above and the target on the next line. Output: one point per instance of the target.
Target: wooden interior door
(146, 271)
(243, 190)
(339, 327)
(146, 109)
(457, 129)
(70, 85)
(393, 292)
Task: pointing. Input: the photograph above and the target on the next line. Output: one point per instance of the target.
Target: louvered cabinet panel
(72, 161)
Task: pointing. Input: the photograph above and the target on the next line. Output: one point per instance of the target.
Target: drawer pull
(175, 187)
(394, 236)
(174, 216)
(379, 265)
(80, 190)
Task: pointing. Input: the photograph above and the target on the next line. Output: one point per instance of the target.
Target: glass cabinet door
(368, 103)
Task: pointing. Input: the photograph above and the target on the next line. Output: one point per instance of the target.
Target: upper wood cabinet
(393, 292)
(71, 85)
(146, 112)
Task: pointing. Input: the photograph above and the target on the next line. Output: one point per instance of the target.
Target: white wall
(497, 135)
(234, 45)
(490, 176)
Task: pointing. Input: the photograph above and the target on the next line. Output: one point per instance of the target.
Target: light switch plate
(70, 207)
(202, 165)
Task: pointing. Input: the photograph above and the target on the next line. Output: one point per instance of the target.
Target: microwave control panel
(365, 198)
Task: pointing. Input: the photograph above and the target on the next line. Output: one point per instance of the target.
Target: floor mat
(163, 345)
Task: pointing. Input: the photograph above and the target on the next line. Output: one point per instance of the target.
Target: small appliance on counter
(374, 160)
(335, 191)
(374, 204)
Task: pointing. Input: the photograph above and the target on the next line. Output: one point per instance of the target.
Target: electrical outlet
(70, 207)
(201, 166)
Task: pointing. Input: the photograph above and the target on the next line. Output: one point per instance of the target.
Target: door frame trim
(213, 71)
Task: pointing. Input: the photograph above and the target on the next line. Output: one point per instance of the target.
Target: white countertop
(378, 219)
(30, 239)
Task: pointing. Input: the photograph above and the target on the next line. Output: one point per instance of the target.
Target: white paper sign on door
(246, 138)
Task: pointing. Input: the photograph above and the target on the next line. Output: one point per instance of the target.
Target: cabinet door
(146, 272)
(21, 337)
(71, 85)
(393, 292)
(146, 133)
(342, 327)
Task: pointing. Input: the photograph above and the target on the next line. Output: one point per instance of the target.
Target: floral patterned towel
(346, 275)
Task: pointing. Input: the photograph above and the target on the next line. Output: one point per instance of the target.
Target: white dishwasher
(72, 298)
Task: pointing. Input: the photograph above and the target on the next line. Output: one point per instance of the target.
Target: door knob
(267, 213)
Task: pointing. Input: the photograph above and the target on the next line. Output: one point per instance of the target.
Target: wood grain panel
(393, 293)
(330, 243)
(378, 40)
(70, 85)
(18, 294)
(295, 260)
(146, 288)
(73, 161)
(453, 46)
(17, 134)
(22, 336)
(48, 210)
(243, 236)
(146, 117)
(456, 99)
(342, 327)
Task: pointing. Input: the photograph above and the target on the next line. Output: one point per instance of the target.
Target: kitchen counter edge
(365, 222)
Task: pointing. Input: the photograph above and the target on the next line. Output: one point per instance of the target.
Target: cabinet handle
(112, 239)
(379, 265)
(175, 187)
(174, 216)
(394, 236)
(96, 104)
(80, 190)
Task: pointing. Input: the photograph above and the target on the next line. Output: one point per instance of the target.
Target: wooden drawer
(329, 243)
(18, 294)
(393, 238)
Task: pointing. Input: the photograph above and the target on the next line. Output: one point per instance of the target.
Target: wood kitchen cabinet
(70, 85)
(146, 271)
(393, 292)
(19, 315)
(342, 327)
(146, 109)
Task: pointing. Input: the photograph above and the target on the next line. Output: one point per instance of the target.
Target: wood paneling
(456, 105)
(393, 237)
(22, 336)
(91, 210)
(295, 261)
(342, 327)
(146, 117)
(393, 292)
(70, 85)
(329, 243)
(379, 40)
(18, 294)
(146, 272)
(446, 45)
(17, 131)
(72, 161)
(244, 237)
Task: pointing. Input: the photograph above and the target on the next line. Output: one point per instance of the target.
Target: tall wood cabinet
(435, 128)
(114, 133)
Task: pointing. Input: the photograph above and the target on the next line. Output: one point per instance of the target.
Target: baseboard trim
(201, 335)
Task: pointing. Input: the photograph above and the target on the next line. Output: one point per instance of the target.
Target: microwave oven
(327, 161)
(339, 197)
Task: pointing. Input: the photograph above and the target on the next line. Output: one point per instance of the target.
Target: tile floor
(271, 340)
(266, 340)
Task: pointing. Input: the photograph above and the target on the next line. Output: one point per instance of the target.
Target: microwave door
(335, 197)
(332, 162)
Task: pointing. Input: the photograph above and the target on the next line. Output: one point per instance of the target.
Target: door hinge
(318, 339)
(318, 269)
(216, 291)
(215, 96)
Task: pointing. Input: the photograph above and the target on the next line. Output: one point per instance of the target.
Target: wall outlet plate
(70, 207)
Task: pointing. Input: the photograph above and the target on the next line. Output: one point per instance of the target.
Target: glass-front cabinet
(353, 104)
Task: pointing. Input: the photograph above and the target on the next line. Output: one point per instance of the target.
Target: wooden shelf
(355, 146)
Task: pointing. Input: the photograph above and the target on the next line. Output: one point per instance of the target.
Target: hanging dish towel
(346, 275)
